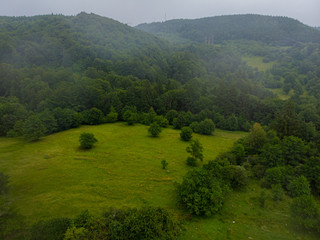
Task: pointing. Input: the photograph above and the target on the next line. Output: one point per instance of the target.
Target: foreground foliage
(203, 190)
(115, 224)
(306, 213)
(12, 225)
(202, 194)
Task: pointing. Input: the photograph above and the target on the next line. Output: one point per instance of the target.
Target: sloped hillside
(275, 30)
(57, 40)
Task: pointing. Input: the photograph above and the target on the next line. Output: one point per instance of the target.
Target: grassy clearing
(256, 62)
(243, 218)
(53, 177)
(281, 94)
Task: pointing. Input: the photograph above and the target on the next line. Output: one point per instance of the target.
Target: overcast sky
(133, 12)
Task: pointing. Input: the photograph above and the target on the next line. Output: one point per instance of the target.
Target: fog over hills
(58, 40)
(275, 30)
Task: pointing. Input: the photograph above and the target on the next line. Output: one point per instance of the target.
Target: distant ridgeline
(65, 41)
(275, 30)
(60, 67)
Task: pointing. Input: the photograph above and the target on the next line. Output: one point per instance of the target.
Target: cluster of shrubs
(156, 122)
(35, 125)
(117, 224)
(205, 127)
(287, 166)
(183, 119)
(202, 123)
(203, 190)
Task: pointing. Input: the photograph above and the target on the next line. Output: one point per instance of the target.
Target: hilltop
(274, 30)
(64, 41)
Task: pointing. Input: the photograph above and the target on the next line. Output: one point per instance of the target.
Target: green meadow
(53, 178)
(257, 62)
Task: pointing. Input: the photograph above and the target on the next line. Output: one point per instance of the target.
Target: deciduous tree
(154, 130)
(33, 128)
(186, 133)
(87, 140)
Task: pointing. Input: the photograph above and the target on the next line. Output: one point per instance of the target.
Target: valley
(246, 86)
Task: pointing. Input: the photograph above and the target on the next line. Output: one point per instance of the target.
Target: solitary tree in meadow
(186, 133)
(154, 130)
(195, 149)
(87, 140)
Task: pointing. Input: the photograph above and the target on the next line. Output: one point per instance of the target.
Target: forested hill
(65, 41)
(275, 30)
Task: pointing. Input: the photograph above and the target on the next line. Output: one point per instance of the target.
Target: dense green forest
(272, 30)
(60, 72)
(73, 70)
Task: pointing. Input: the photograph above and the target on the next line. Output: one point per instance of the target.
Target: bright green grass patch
(281, 94)
(243, 218)
(53, 177)
(257, 62)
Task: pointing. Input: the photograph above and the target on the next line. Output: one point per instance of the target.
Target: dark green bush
(87, 140)
(271, 155)
(154, 130)
(191, 161)
(195, 127)
(298, 187)
(130, 117)
(236, 175)
(147, 223)
(201, 193)
(294, 150)
(274, 176)
(161, 121)
(195, 149)
(206, 127)
(180, 121)
(33, 128)
(172, 114)
(186, 133)
(239, 153)
(279, 175)
(53, 229)
(311, 170)
(305, 212)
(83, 219)
(112, 116)
(93, 117)
(164, 164)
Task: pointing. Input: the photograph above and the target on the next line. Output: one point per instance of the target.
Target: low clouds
(134, 12)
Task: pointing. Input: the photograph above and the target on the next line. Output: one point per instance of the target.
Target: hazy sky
(134, 12)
